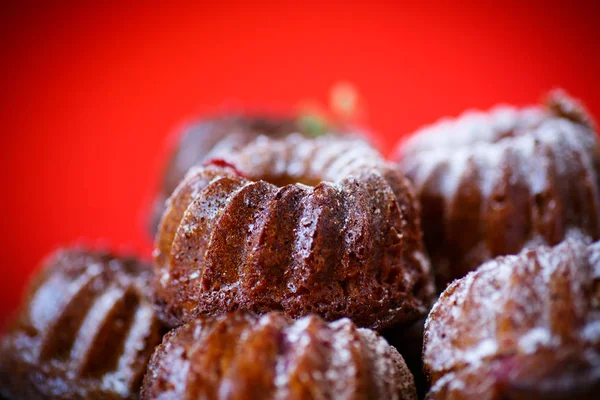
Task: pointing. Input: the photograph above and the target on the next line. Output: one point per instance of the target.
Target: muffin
(495, 183)
(243, 356)
(299, 225)
(524, 326)
(86, 330)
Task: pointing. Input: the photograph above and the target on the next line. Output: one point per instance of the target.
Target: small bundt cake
(525, 326)
(213, 136)
(243, 356)
(86, 331)
(494, 183)
(299, 225)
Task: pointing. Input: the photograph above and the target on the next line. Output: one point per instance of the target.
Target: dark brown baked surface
(299, 225)
(211, 137)
(525, 326)
(86, 330)
(494, 183)
(243, 356)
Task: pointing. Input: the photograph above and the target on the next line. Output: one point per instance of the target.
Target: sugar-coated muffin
(494, 183)
(86, 330)
(300, 225)
(524, 326)
(243, 356)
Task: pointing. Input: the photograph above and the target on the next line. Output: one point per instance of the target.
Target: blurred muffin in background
(493, 183)
(523, 326)
(86, 330)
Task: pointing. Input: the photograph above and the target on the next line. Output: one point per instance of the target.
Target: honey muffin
(300, 225)
(494, 183)
(525, 326)
(86, 331)
(243, 356)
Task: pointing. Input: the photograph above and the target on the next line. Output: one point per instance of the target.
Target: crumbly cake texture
(209, 138)
(299, 225)
(243, 356)
(494, 183)
(525, 326)
(86, 331)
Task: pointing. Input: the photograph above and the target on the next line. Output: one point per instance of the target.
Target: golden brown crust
(524, 326)
(243, 356)
(348, 246)
(86, 331)
(516, 178)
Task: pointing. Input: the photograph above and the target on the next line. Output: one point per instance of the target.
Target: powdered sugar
(312, 356)
(591, 332)
(536, 337)
(476, 355)
(508, 306)
(486, 138)
(304, 245)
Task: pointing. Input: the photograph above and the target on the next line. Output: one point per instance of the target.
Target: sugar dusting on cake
(489, 314)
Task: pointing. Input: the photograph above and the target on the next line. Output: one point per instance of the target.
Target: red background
(89, 92)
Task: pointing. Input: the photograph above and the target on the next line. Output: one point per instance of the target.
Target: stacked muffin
(279, 256)
(276, 259)
(521, 186)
